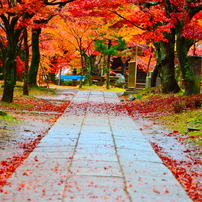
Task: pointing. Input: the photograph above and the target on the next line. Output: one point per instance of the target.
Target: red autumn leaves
(182, 170)
(8, 166)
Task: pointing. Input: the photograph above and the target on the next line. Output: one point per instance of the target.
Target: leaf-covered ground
(34, 104)
(155, 115)
(175, 136)
(23, 124)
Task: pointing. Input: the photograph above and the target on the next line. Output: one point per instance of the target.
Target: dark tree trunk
(9, 77)
(52, 77)
(154, 76)
(196, 62)
(35, 57)
(10, 64)
(158, 67)
(25, 86)
(183, 46)
(82, 67)
(108, 66)
(169, 83)
(3, 59)
(90, 64)
(9, 55)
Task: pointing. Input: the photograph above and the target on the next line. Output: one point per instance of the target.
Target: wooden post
(132, 75)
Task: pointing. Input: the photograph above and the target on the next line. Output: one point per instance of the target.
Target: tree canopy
(66, 33)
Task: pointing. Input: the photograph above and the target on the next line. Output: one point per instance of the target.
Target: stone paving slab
(94, 188)
(91, 155)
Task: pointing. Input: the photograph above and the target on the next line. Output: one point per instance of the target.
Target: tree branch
(2, 27)
(2, 47)
(5, 20)
(194, 10)
(58, 3)
(132, 23)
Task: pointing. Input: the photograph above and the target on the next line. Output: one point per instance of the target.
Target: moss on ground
(188, 122)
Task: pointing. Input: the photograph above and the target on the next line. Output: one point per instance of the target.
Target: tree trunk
(183, 46)
(10, 65)
(9, 77)
(108, 66)
(35, 57)
(154, 76)
(88, 69)
(92, 68)
(158, 67)
(82, 68)
(25, 86)
(3, 58)
(169, 83)
(90, 64)
(196, 62)
(51, 77)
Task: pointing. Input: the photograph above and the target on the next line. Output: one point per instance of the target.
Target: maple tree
(106, 33)
(35, 57)
(55, 55)
(9, 22)
(81, 33)
(149, 27)
(179, 14)
(35, 40)
(160, 22)
(187, 22)
(156, 29)
(80, 29)
(26, 47)
(15, 16)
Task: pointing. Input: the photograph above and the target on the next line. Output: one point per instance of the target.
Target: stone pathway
(91, 154)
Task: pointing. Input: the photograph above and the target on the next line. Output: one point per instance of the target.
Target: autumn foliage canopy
(69, 29)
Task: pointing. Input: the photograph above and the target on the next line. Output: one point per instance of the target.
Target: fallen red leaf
(154, 190)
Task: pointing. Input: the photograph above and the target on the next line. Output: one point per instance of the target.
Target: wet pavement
(91, 154)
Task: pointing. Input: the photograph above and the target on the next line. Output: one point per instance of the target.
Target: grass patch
(176, 111)
(11, 106)
(101, 88)
(34, 91)
(183, 122)
(4, 117)
(42, 91)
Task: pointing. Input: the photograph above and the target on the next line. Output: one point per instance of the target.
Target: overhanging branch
(132, 23)
(58, 3)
